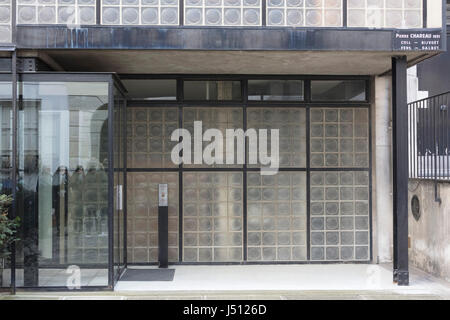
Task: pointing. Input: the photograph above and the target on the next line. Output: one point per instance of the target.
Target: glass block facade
(385, 14)
(71, 12)
(5, 21)
(142, 216)
(339, 137)
(219, 118)
(291, 123)
(212, 216)
(293, 13)
(140, 12)
(304, 13)
(222, 12)
(276, 216)
(339, 215)
(315, 208)
(148, 134)
(339, 207)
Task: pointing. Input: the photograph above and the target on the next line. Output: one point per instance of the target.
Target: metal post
(111, 189)
(14, 162)
(163, 226)
(400, 169)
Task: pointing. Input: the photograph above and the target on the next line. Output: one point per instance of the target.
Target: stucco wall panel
(430, 236)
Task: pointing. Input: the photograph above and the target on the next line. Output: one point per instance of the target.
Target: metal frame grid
(246, 105)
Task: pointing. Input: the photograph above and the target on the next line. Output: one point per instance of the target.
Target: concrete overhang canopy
(229, 62)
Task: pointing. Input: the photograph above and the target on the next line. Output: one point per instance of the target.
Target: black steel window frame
(245, 104)
(113, 81)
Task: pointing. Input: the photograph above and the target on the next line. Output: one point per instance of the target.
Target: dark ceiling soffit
(110, 37)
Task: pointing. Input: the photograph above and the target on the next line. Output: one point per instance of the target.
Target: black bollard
(163, 227)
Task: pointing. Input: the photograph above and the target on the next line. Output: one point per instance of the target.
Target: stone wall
(430, 235)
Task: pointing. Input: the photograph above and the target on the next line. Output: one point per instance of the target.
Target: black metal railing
(429, 138)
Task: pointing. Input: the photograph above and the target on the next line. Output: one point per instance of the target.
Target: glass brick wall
(339, 208)
(340, 215)
(385, 13)
(70, 12)
(294, 13)
(142, 215)
(5, 21)
(339, 138)
(301, 13)
(212, 216)
(276, 216)
(222, 12)
(448, 13)
(148, 134)
(218, 118)
(315, 208)
(149, 146)
(291, 123)
(140, 12)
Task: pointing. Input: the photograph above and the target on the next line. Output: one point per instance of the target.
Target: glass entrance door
(68, 174)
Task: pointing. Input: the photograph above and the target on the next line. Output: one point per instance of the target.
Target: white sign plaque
(163, 195)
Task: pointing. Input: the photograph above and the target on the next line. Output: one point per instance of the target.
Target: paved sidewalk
(344, 281)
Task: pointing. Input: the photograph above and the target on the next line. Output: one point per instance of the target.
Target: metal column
(14, 162)
(400, 170)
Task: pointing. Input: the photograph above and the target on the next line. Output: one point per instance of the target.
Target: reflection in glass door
(63, 196)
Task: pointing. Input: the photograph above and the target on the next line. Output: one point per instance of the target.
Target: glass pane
(5, 164)
(63, 184)
(275, 90)
(338, 90)
(212, 216)
(119, 170)
(339, 137)
(142, 214)
(291, 123)
(340, 215)
(212, 90)
(161, 89)
(148, 136)
(276, 216)
(215, 118)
